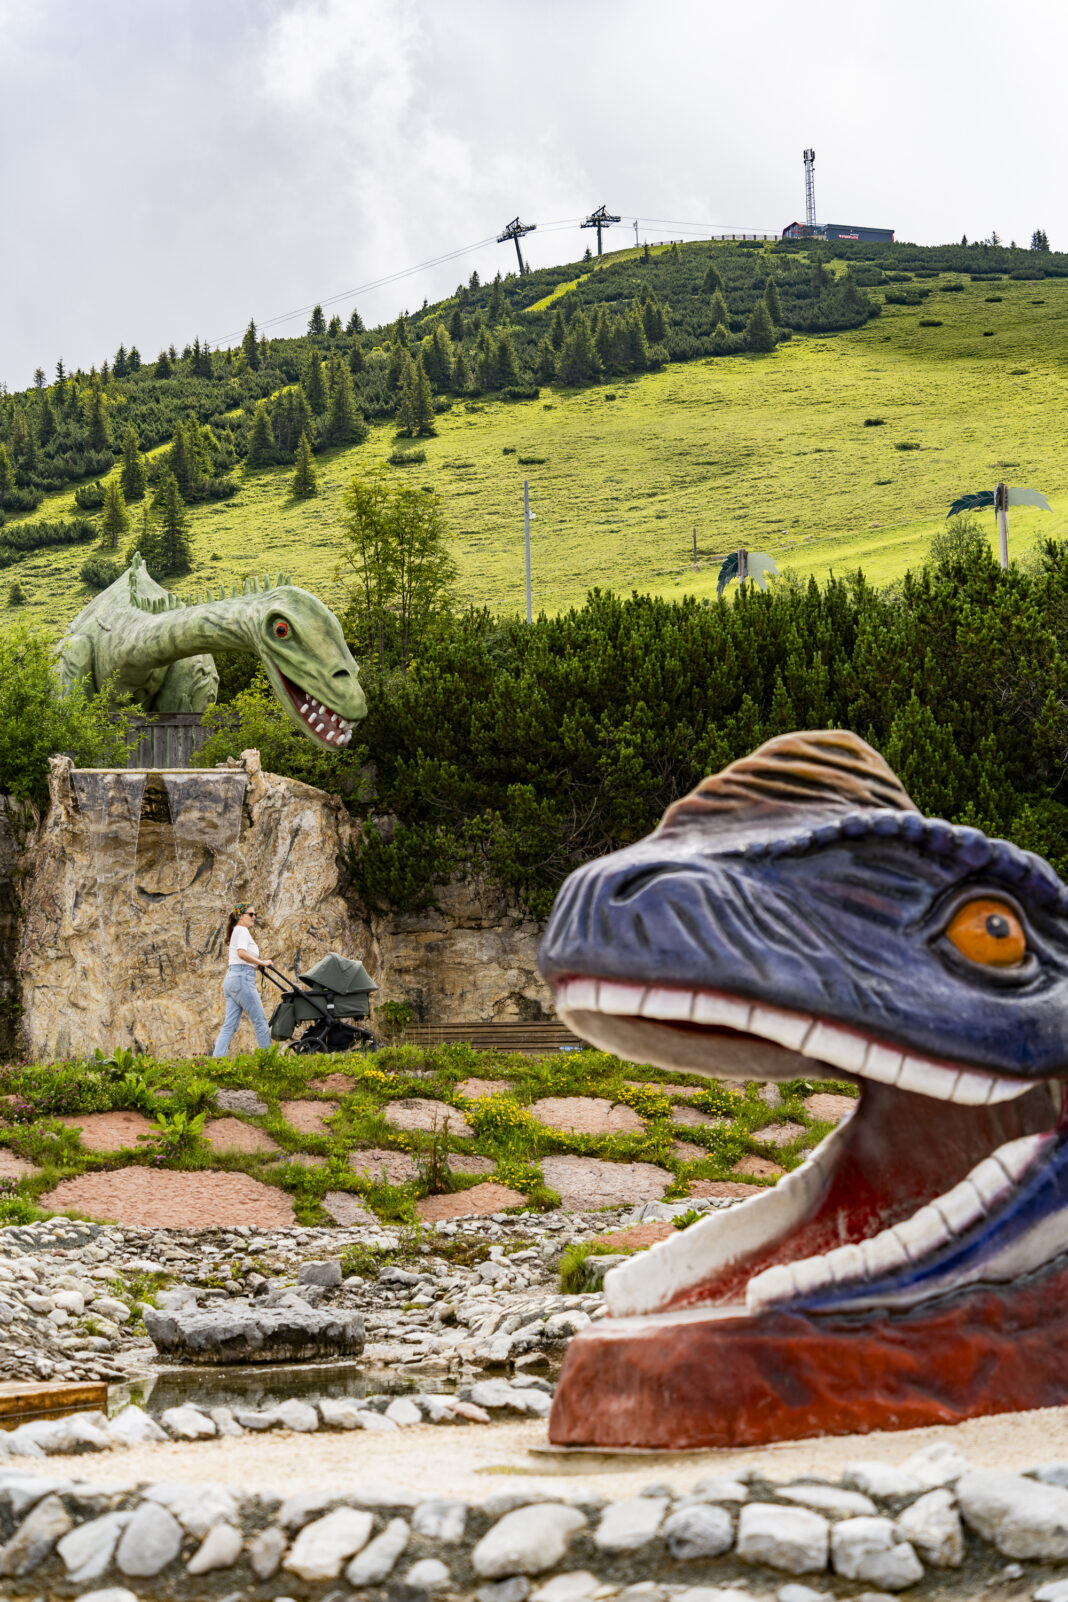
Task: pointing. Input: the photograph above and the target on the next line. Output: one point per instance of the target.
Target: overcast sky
(173, 167)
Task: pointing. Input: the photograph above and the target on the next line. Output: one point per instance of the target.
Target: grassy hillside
(767, 451)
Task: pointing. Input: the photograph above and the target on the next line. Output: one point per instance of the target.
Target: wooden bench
(531, 1039)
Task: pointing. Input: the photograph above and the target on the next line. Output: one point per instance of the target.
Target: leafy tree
(16, 595)
(261, 441)
(314, 386)
(37, 718)
(132, 472)
(772, 302)
(305, 481)
(173, 546)
(760, 334)
(250, 347)
(114, 519)
(344, 421)
(399, 567)
(960, 543)
(317, 323)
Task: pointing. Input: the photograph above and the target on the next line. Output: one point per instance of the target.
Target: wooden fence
(167, 739)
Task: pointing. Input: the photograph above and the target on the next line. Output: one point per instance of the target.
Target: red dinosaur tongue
(897, 1152)
(330, 727)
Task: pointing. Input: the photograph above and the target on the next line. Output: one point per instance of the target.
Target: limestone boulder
(241, 1333)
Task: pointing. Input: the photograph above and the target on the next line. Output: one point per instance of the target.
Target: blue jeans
(239, 988)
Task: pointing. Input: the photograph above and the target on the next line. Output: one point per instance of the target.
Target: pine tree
(760, 334)
(354, 325)
(578, 361)
(357, 359)
(545, 361)
(261, 443)
(720, 314)
(314, 387)
(557, 331)
(712, 280)
(96, 421)
(122, 365)
(603, 338)
(305, 479)
(405, 417)
(442, 357)
(134, 359)
(720, 338)
(46, 418)
(400, 332)
(496, 306)
(174, 549)
(7, 474)
(485, 362)
(61, 372)
(132, 472)
(819, 274)
(163, 368)
(115, 519)
(250, 347)
(772, 302)
(1040, 240)
(344, 420)
(456, 325)
(639, 345)
(461, 372)
(507, 366)
(422, 400)
(317, 323)
(654, 320)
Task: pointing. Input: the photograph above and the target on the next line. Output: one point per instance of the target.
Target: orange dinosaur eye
(988, 932)
(281, 629)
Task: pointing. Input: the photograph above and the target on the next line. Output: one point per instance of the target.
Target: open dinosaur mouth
(324, 725)
(945, 1177)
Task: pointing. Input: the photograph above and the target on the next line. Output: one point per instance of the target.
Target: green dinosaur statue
(158, 648)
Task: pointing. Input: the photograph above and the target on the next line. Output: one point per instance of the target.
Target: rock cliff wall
(124, 890)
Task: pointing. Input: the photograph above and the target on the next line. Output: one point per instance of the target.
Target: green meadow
(836, 452)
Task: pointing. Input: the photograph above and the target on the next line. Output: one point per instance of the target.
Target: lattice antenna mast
(601, 218)
(515, 232)
(810, 189)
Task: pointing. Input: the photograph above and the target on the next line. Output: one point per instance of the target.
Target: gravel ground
(473, 1460)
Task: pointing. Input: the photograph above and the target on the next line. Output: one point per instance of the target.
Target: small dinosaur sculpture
(158, 647)
(796, 916)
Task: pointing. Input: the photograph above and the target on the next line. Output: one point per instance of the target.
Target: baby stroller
(337, 989)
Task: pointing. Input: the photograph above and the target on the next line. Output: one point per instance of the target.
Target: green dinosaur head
(312, 672)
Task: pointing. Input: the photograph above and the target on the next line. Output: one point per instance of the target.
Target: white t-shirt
(241, 940)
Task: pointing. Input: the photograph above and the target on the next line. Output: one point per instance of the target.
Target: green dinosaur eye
(281, 629)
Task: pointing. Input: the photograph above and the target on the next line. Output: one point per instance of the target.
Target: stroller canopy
(348, 988)
(340, 974)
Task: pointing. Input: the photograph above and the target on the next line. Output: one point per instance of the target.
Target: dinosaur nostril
(342, 673)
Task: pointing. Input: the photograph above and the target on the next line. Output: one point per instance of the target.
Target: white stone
(713, 1593)
(88, 1549)
(35, 1537)
(799, 1593)
(829, 1499)
(224, 1421)
(265, 1552)
(1022, 1518)
(295, 1415)
(196, 1507)
(871, 1549)
(561, 1326)
(630, 1523)
(1053, 1591)
(574, 1586)
(936, 1465)
(429, 1574)
(789, 1538)
(341, 1413)
(933, 1526)
(403, 1413)
(72, 1302)
(78, 1433)
(110, 1593)
(187, 1423)
(151, 1540)
(441, 1520)
(720, 1488)
(879, 1479)
(698, 1531)
(108, 1307)
(220, 1549)
(527, 1541)
(370, 1420)
(133, 1426)
(322, 1547)
(375, 1563)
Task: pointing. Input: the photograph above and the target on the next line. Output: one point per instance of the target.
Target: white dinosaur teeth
(304, 709)
(320, 728)
(331, 735)
(910, 1242)
(814, 1038)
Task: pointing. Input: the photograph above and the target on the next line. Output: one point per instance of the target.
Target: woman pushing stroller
(239, 985)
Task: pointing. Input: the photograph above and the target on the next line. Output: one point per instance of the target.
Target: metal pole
(635, 233)
(1001, 501)
(526, 522)
(695, 545)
